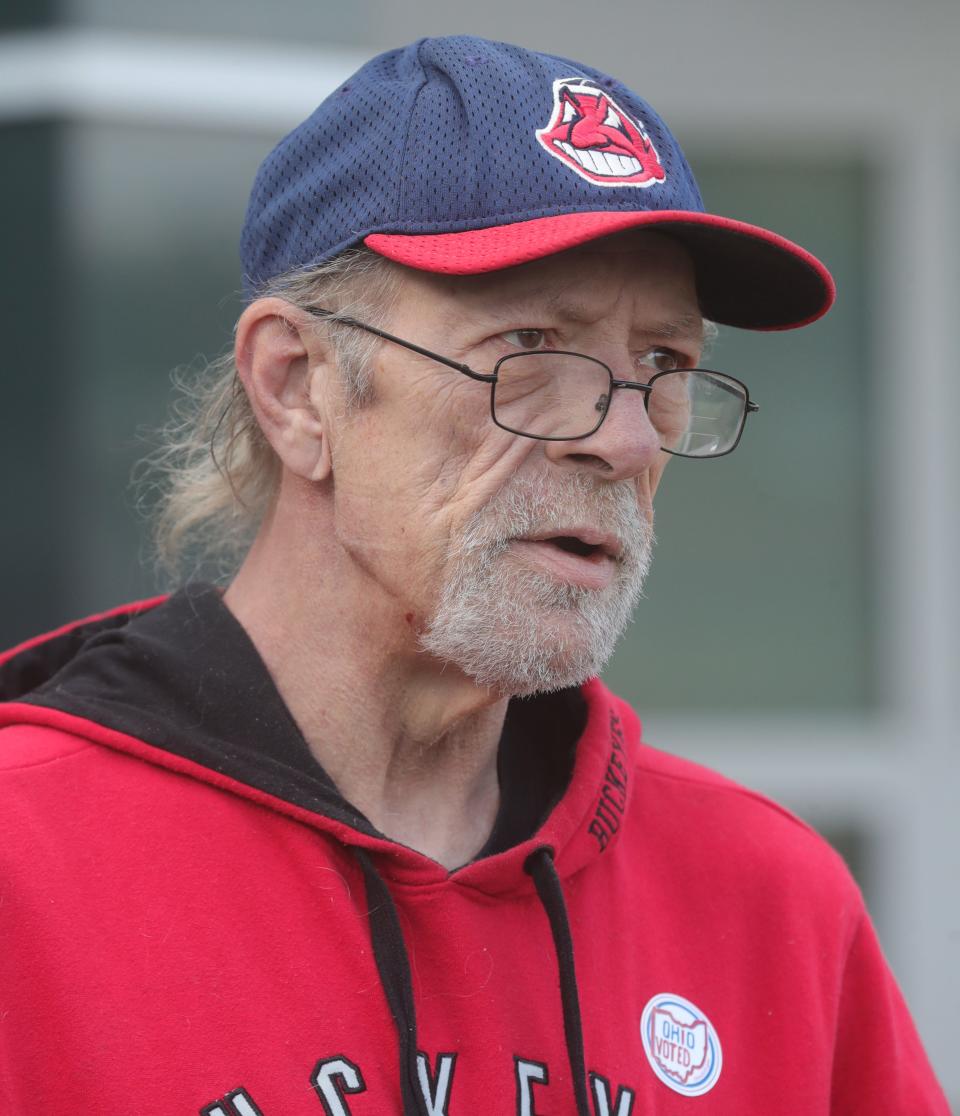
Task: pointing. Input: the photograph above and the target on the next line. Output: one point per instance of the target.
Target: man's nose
(625, 446)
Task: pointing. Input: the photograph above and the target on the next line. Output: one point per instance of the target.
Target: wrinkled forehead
(638, 272)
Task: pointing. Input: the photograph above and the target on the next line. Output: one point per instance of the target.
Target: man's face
(518, 561)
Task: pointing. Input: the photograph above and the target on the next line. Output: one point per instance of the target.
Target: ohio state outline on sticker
(596, 138)
(681, 1044)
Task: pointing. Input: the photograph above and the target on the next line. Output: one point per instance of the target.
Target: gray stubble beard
(517, 630)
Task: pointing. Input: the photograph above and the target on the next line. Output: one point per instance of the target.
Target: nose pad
(626, 443)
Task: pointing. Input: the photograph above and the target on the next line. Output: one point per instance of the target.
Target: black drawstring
(394, 968)
(541, 867)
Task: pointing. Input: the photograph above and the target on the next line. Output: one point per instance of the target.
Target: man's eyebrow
(688, 327)
(685, 327)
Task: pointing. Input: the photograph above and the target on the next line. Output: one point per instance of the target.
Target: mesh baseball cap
(460, 155)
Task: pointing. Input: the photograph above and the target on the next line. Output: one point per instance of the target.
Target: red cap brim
(746, 276)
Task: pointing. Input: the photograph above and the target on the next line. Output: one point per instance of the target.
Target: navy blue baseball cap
(460, 155)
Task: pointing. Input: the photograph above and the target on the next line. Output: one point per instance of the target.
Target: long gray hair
(212, 478)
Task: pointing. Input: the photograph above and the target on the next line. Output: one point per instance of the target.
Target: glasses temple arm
(332, 315)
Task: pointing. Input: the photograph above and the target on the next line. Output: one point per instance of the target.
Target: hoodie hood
(177, 682)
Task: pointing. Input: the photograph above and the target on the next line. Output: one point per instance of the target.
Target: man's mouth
(581, 557)
(584, 541)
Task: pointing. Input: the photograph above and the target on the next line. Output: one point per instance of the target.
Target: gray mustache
(532, 505)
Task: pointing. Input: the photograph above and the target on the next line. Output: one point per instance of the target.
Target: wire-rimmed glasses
(558, 396)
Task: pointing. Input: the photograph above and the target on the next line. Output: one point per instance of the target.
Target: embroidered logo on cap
(681, 1045)
(592, 134)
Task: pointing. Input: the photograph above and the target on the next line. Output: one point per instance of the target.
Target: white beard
(520, 631)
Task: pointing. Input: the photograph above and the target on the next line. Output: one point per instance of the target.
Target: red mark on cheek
(409, 617)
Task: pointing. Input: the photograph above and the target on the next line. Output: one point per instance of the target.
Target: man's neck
(410, 744)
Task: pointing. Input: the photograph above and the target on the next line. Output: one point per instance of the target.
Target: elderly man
(364, 833)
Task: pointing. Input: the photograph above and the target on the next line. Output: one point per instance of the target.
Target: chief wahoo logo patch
(593, 135)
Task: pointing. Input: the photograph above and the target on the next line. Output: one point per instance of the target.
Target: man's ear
(277, 354)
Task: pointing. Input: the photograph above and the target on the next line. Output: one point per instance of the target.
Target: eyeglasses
(557, 396)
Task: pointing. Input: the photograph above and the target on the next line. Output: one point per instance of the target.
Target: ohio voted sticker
(681, 1045)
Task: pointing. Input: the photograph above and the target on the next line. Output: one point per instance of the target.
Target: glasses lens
(550, 394)
(697, 413)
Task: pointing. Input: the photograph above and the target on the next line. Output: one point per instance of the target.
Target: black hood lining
(185, 677)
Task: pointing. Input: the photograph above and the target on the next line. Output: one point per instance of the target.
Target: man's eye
(663, 360)
(527, 338)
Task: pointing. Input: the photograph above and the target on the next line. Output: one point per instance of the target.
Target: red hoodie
(192, 920)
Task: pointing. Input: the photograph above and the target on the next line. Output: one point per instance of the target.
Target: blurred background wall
(800, 631)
